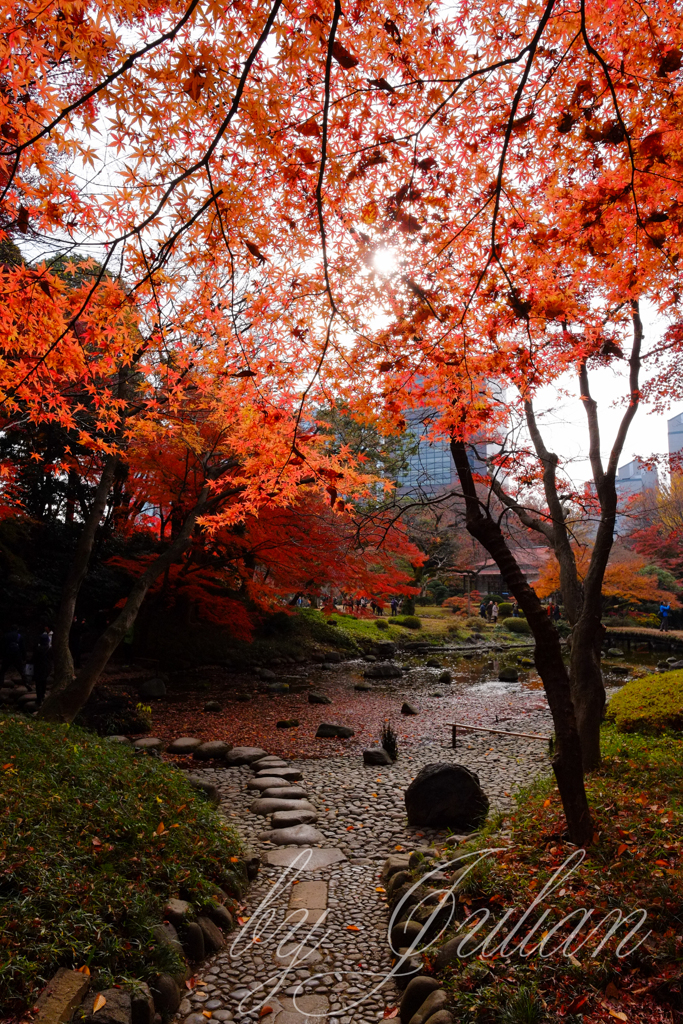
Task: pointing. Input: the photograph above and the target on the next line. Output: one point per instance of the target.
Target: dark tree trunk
(567, 763)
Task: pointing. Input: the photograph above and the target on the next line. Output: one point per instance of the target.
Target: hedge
(653, 704)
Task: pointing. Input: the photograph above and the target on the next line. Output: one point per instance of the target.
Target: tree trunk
(588, 690)
(63, 662)
(567, 762)
(63, 705)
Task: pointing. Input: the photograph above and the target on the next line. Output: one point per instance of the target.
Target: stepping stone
(271, 804)
(149, 743)
(245, 755)
(301, 835)
(299, 1010)
(306, 858)
(286, 793)
(294, 952)
(309, 895)
(285, 819)
(270, 783)
(211, 750)
(291, 774)
(268, 762)
(118, 739)
(184, 745)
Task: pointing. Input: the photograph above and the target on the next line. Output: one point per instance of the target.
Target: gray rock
(193, 942)
(213, 705)
(395, 882)
(266, 674)
(244, 755)
(446, 677)
(299, 835)
(141, 1004)
(116, 1009)
(414, 996)
(184, 745)
(318, 698)
(676, 664)
(433, 663)
(329, 731)
(287, 723)
(213, 936)
(286, 793)
(409, 709)
(418, 856)
(333, 657)
(440, 1017)
(118, 739)
(508, 675)
(153, 689)
(268, 762)
(268, 805)
(213, 750)
(437, 1000)
(376, 756)
(268, 783)
(166, 935)
(446, 796)
(317, 859)
(278, 688)
(289, 774)
(285, 819)
(149, 743)
(206, 788)
(385, 649)
(527, 662)
(220, 915)
(363, 687)
(177, 911)
(615, 652)
(394, 863)
(382, 670)
(404, 934)
(166, 994)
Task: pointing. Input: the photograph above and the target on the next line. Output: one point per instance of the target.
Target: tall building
(635, 478)
(675, 426)
(430, 468)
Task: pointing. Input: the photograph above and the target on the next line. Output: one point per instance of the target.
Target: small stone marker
(61, 996)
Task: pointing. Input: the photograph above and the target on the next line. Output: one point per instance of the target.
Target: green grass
(85, 868)
(635, 862)
(651, 705)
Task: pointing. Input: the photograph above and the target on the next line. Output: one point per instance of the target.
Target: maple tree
(392, 205)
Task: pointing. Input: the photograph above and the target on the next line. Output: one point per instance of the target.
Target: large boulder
(327, 730)
(508, 675)
(244, 755)
(116, 1008)
(446, 796)
(376, 756)
(153, 689)
(385, 649)
(415, 995)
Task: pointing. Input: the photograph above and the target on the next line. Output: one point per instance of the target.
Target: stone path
(360, 821)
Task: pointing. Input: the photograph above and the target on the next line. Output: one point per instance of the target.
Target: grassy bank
(635, 862)
(93, 841)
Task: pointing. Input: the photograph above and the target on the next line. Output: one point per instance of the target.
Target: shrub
(381, 624)
(409, 621)
(474, 621)
(389, 741)
(88, 864)
(653, 704)
(517, 625)
(505, 609)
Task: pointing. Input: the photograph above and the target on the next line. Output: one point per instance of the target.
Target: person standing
(664, 613)
(42, 663)
(515, 610)
(494, 613)
(489, 610)
(13, 653)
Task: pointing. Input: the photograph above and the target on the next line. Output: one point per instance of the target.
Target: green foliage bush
(505, 609)
(86, 867)
(651, 705)
(409, 621)
(381, 624)
(517, 625)
(474, 621)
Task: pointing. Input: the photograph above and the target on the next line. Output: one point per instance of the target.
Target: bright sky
(565, 420)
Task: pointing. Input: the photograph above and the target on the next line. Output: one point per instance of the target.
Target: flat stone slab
(268, 762)
(294, 952)
(307, 859)
(61, 996)
(245, 755)
(269, 783)
(291, 774)
(149, 743)
(212, 749)
(309, 895)
(301, 835)
(302, 1010)
(268, 805)
(284, 819)
(184, 745)
(286, 793)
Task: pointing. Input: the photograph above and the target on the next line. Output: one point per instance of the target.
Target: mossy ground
(93, 841)
(634, 862)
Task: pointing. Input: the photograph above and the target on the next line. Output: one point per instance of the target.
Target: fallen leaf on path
(99, 1003)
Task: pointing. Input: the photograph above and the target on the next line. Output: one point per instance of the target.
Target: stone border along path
(360, 822)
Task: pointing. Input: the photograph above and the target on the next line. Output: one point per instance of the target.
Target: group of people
(489, 611)
(14, 656)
